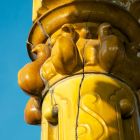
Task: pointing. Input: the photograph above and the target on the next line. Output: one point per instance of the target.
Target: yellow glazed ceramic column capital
(84, 77)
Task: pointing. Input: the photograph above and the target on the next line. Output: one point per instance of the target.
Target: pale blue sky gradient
(15, 24)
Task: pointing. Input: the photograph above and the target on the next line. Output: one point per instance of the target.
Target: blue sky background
(15, 24)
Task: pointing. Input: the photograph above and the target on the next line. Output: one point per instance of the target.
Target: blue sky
(15, 24)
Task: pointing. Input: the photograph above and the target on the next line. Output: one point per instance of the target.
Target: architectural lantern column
(84, 78)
